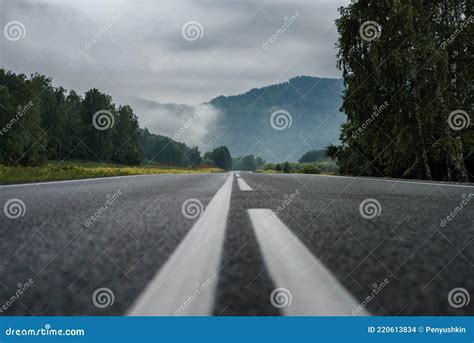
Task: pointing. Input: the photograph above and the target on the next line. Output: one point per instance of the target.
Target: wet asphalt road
(405, 246)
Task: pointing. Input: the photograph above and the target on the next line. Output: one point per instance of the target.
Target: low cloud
(183, 123)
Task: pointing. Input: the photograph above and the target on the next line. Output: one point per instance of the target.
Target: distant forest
(40, 122)
(408, 71)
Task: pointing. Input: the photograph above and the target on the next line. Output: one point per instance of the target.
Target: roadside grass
(325, 168)
(72, 170)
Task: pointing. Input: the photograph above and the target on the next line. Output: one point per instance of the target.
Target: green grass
(70, 170)
(326, 168)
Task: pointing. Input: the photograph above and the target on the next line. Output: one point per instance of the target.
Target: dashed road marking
(314, 290)
(243, 185)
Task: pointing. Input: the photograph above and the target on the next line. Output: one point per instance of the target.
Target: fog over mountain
(278, 122)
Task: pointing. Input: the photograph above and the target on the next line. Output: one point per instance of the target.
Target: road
(237, 244)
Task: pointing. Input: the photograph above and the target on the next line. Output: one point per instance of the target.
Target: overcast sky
(138, 48)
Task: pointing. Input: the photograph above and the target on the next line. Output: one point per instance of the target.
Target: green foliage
(40, 122)
(23, 140)
(301, 168)
(221, 157)
(401, 88)
(194, 156)
(311, 169)
(164, 150)
(248, 162)
(313, 156)
(68, 170)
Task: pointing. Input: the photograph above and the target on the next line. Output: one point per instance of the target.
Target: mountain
(243, 122)
(305, 116)
(177, 121)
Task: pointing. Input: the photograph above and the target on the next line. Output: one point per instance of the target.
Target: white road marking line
(195, 261)
(314, 290)
(398, 181)
(243, 185)
(237, 174)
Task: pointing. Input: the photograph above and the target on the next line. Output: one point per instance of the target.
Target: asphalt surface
(405, 247)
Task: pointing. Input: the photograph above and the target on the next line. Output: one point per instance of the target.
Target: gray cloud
(135, 49)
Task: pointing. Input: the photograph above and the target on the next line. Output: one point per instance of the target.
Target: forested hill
(41, 122)
(245, 125)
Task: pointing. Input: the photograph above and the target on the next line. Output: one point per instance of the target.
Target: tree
(194, 156)
(401, 87)
(221, 157)
(127, 137)
(313, 156)
(98, 130)
(23, 141)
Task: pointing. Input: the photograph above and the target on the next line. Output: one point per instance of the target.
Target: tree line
(408, 71)
(40, 122)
